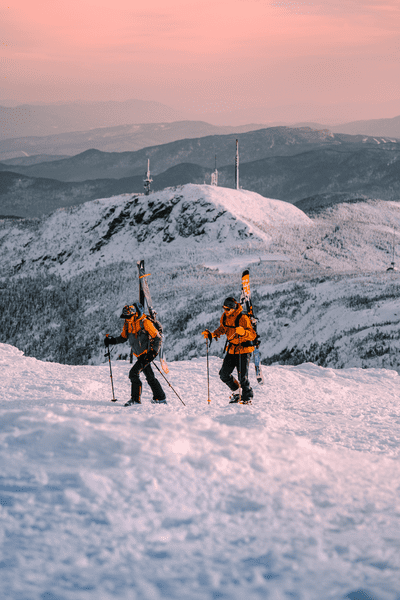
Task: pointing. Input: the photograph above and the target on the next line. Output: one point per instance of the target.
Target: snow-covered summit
(110, 229)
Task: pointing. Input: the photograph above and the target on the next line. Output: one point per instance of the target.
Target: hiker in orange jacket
(145, 342)
(240, 335)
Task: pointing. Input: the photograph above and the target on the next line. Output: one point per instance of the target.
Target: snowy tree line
(338, 320)
(64, 320)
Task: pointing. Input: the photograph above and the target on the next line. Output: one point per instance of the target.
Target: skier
(145, 342)
(240, 335)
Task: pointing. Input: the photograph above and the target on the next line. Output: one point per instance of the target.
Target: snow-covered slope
(321, 289)
(341, 322)
(191, 217)
(294, 497)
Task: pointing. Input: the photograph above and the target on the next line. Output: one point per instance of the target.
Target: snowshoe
(131, 402)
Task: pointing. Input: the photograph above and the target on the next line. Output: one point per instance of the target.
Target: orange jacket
(141, 334)
(228, 324)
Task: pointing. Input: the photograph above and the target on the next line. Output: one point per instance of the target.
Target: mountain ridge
(322, 291)
(26, 120)
(104, 229)
(369, 172)
(121, 138)
(388, 127)
(137, 135)
(253, 145)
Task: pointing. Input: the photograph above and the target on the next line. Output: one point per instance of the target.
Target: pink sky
(207, 55)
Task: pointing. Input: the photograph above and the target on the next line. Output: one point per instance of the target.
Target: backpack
(156, 344)
(155, 322)
(237, 320)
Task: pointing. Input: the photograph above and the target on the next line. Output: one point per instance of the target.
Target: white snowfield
(105, 231)
(294, 497)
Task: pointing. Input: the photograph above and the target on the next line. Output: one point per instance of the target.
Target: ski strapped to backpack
(245, 301)
(144, 295)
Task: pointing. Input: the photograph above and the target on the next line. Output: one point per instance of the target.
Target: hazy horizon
(330, 61)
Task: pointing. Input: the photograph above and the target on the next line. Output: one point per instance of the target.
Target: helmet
(128, 311)
(230, 303)
(131, 310)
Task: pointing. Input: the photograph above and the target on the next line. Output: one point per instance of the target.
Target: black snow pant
(241, 362)
(143, 365)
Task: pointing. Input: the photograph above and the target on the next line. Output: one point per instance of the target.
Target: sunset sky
(202, 55)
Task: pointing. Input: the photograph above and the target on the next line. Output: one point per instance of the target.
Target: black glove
(109, 341)
(207, 335)
(151, 354)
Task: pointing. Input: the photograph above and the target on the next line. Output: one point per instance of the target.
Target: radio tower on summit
(148, 179)
(214, 176)
(237, 165)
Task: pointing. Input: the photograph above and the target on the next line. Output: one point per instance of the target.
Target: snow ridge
(107, 230)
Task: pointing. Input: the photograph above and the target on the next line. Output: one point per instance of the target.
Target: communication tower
(148, 179)
(392, 267)
(237, 165)
(214, 176)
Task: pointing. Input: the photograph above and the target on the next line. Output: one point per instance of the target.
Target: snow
(331, 312)
(102, 231)
(238, 263)
(342, 253)
(293, 497)
(202, 225)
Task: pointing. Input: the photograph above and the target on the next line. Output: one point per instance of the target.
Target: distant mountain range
(374, 127)
(70, 129)
(129, 138)
(121, 138)
(28, 120)
(313, 167)
(253, 146)
(23, 196)
(25, 161)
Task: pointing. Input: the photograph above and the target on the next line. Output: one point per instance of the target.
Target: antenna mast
(392, 267)
(237, 165)
(214, 176)
(148, 179)
(394, 233)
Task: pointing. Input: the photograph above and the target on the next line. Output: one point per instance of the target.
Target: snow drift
(294, 497)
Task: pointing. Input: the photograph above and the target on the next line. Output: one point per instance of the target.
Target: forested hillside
(322, 291)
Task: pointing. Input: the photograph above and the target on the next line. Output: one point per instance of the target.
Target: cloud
(381, 9)
(292, 7)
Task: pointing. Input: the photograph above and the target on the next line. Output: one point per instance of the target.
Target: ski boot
(162, 401)
(133, 401)
(245, 401)
(234, 399)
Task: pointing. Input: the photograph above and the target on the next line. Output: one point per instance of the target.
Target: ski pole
(114, 399)
(161, 373)
(240, 371)
(208, 374)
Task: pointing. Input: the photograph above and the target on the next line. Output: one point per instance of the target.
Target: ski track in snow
(293, 497)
